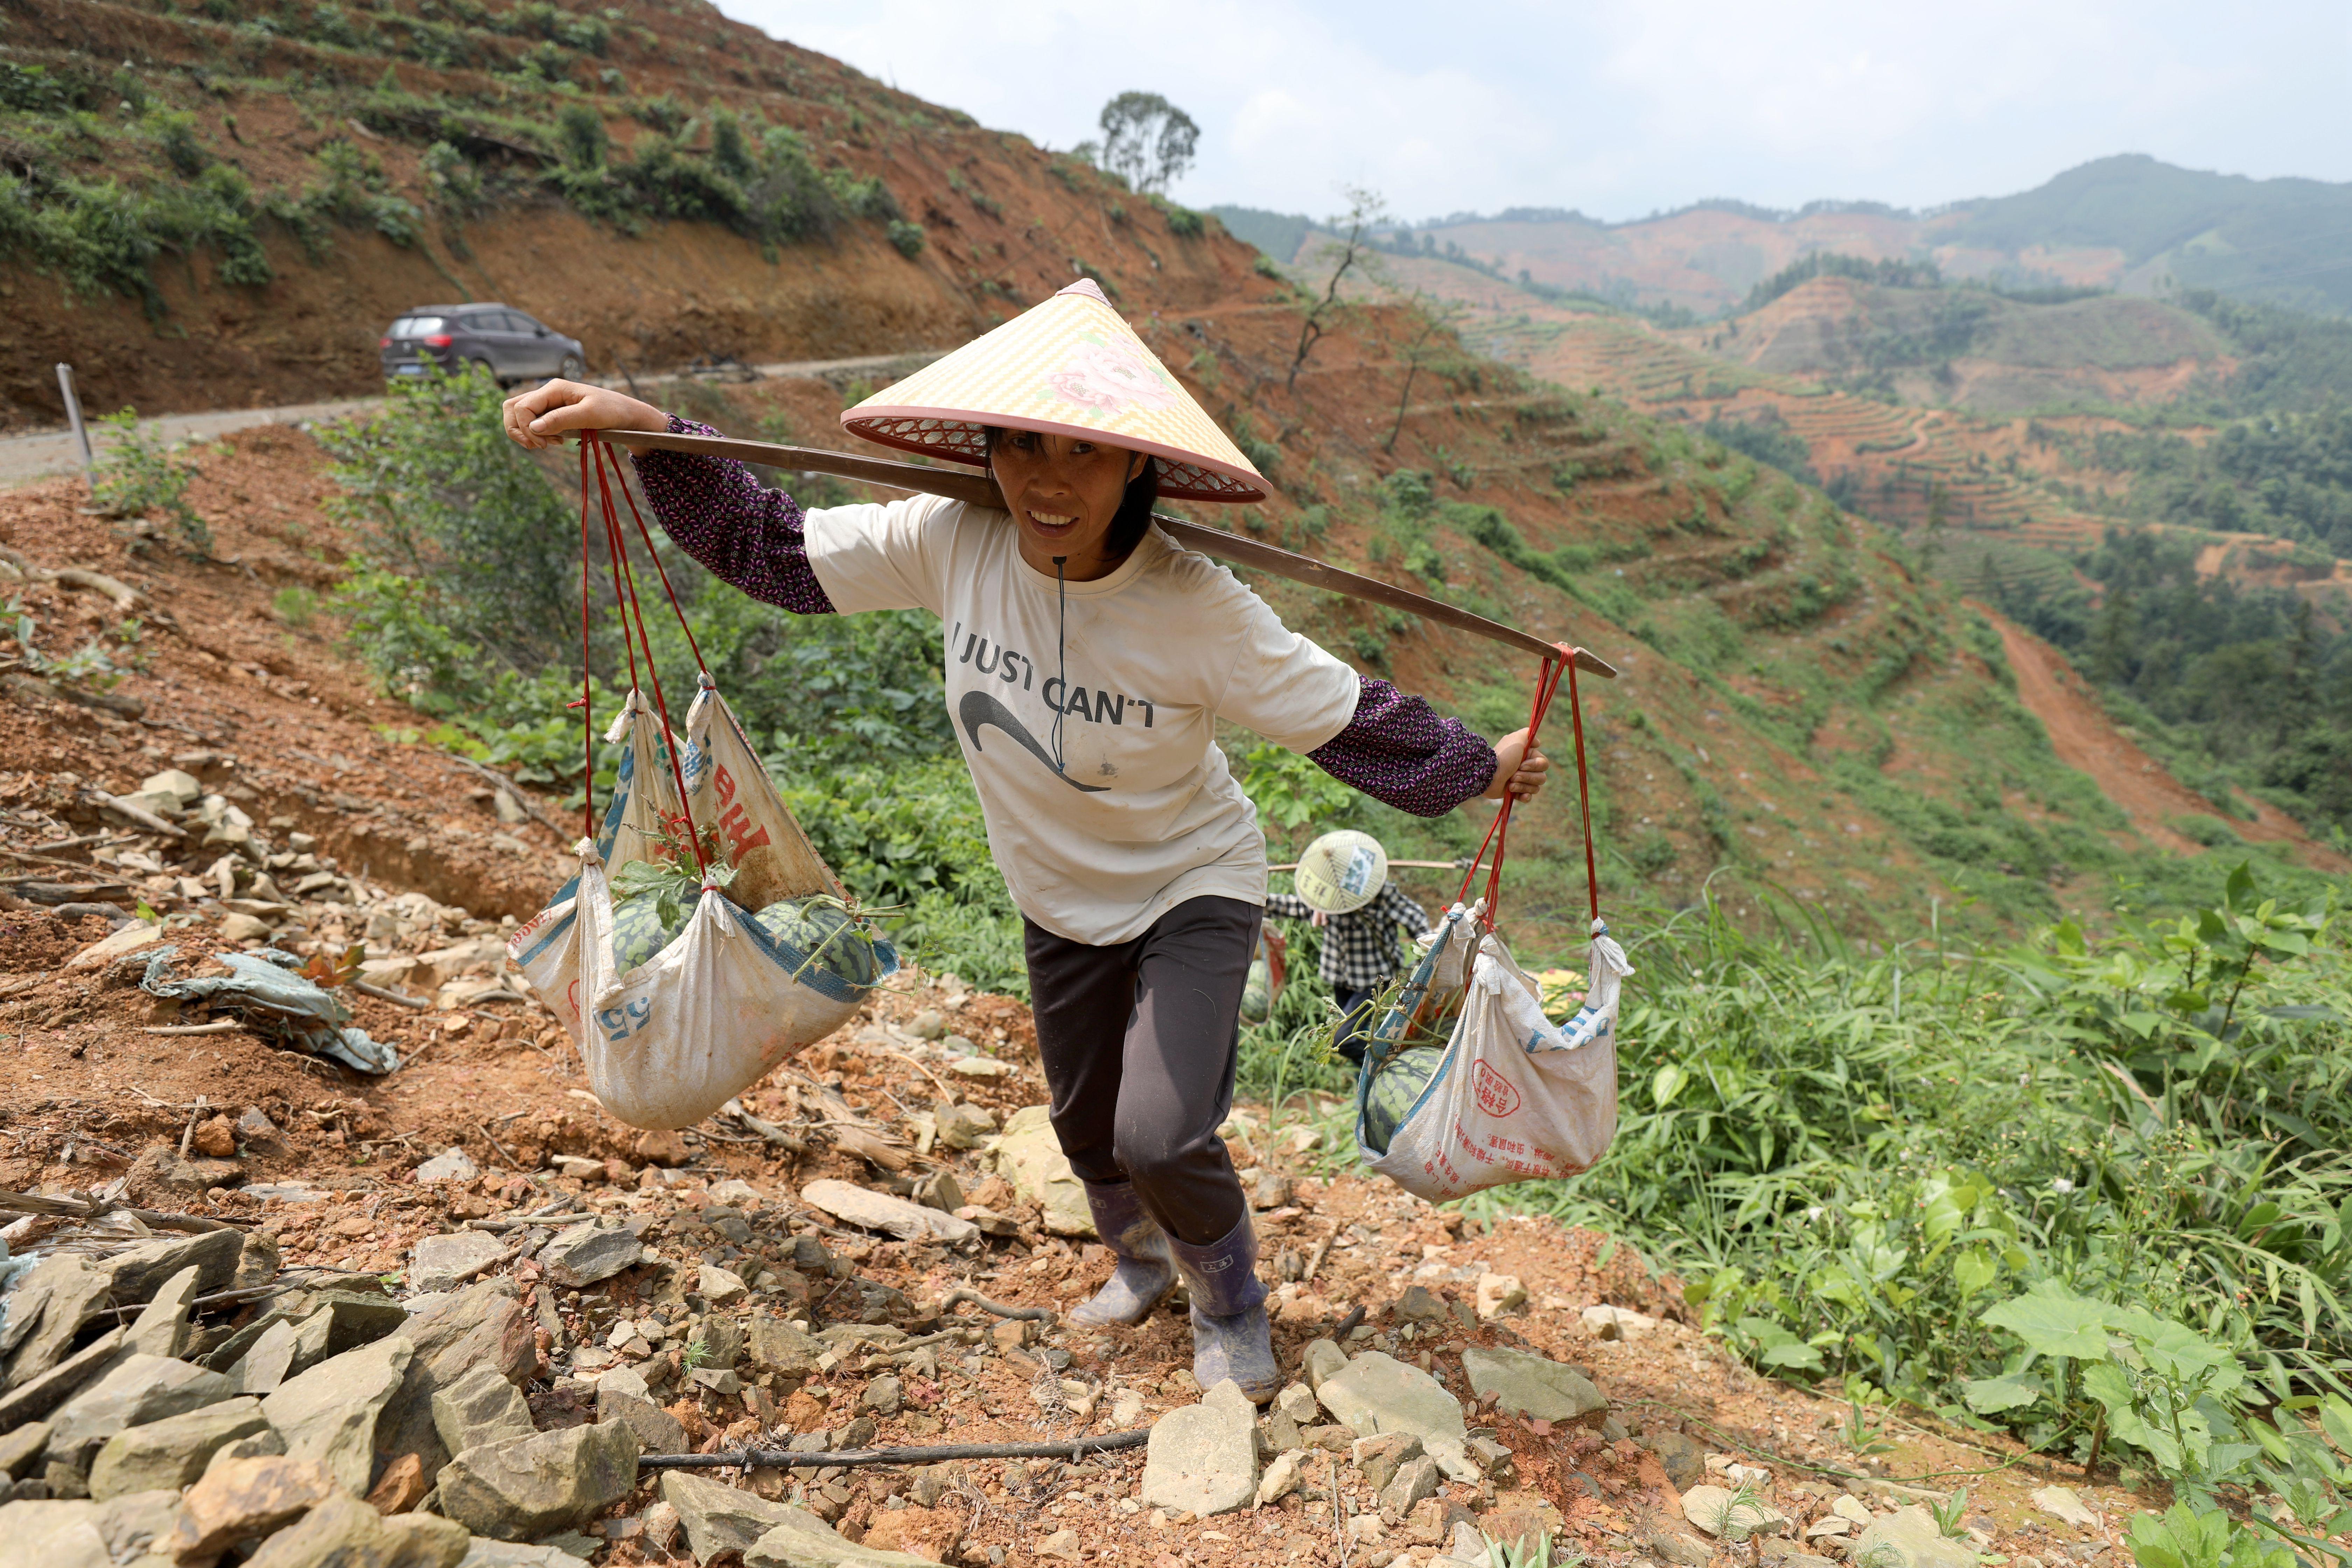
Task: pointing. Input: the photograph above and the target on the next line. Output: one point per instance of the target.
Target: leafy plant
(2186, 1536)
(1289, 790)
(1536, 1551)
(1951, 1514)
(139, 475)
(670, 873)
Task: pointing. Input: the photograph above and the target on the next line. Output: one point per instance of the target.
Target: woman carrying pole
(1088, 658)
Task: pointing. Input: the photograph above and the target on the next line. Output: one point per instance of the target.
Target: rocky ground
(266, 1306)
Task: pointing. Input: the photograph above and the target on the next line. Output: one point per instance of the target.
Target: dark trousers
(1139, 1042)
(1356, 1025)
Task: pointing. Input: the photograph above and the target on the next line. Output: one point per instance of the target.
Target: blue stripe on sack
(796, 965)
(559, 927)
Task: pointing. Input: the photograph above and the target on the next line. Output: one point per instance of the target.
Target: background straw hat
(1071, 366)
(1341, 871)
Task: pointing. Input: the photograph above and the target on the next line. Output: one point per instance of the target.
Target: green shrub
(908, 237)
(137, 475)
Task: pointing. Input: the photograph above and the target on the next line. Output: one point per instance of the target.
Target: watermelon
(1258, 994)
(638, 932)
(822, 931)
(1395, 1088)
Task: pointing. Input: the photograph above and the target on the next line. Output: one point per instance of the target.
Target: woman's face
(1063, 491)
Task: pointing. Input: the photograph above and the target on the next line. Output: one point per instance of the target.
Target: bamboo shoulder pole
(975, 488)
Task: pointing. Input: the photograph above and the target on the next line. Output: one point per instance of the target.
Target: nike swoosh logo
(978, 708)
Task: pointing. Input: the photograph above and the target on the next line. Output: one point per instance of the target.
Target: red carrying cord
(1498, 833)
(624, 593)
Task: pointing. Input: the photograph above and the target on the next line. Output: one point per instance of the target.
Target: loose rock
(1321, 1359)
(901, 1217)
(525, 1488)
(805, 1541)
(2065, 1503)
(141, 1389)
(1376, 1392)
(1281, 1478)
(236, 1498)
(720, 1287)
(718, 1518)
(1910, 1538)
(480, 1408)
(1027, 1154)
(167, 1454)
(328, 1413)
(1201, 1459)
(439, 1263)
(1683, 1459)
(1414, 1479)
(1712, 1508)
(451, 1165)
(1380, 1456)
(588, 1253)
(1529, 1385)
(1499, 1294)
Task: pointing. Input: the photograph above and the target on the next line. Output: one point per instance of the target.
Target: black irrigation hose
(782, 1460)
(1348, 1324)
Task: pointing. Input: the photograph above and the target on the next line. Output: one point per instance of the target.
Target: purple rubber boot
(1145, 1273)
(1231, 1337)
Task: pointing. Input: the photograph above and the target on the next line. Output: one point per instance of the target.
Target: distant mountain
(2127, 223)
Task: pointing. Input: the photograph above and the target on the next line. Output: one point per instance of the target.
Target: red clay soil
(2087, 741)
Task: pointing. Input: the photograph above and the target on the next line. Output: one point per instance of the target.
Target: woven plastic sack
(1511, 1097)
(670, 1041)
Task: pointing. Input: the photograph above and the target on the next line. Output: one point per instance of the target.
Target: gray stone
(1493, 1458)
(426, 1541)
(141, 1389)
(774, 1345)
(46, 1310)
(268, 1362)
(588, 1253)
(1909, 1537)
(525, 1488)
(1297, 1402)
(162, 1328)
(884, 1212)
(658, 1432)
(1027, 1154)
(963, 1126)
(1529, 1385)
(1681, 1457)
(1270, 1191)
(258, 1133)
(173, 1452)
(445, 1262)
(480, 1408)
(139, 1273)
(721, 1340)
(1376, 1392)
(1414, 1479)
(482, 1325)
(720, 1287)
(328, 1413)
(53, 1534)
(1278, 1434)
(1719, 1512)
(719, 1518)
(340, 1530)
(1682, 1551)
(805, 1541)
(1318, 1361)
(1380, 1456)
(1417, 1305)
(238, 1498)
(881, 1396)
(131, 1522)
(449, 1165)
(484, 1553)
(1201, 1459)
(20, 1447)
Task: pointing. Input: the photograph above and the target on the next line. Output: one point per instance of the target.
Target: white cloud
(1621, 106)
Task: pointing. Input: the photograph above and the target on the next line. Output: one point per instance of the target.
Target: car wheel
(571, 368)
(487, 368)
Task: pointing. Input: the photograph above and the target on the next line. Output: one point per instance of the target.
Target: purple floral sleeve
(1399, 751)
(747, 535)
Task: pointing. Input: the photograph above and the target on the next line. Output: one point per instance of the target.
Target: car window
(485, 321)
(415, 326)
(523, 323)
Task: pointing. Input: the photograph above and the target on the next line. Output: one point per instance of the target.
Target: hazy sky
(1623, 107)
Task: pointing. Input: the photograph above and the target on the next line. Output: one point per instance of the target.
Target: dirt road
(2089, 742)
(52, 452)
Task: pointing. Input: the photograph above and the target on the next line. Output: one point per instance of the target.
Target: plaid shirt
(1359, 948)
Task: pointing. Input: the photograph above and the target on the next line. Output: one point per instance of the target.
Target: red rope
(676, 608)
(1498, 832)
(587, 708)
(633, 609)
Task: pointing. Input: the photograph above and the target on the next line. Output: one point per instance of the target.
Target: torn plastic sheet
(285, 1007)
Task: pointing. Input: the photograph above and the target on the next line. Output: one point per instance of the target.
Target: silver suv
(501, 338)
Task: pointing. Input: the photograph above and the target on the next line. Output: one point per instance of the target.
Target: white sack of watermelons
(686, 980)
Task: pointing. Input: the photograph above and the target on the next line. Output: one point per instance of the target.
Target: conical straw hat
(1341, 871)
(1070, 367)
